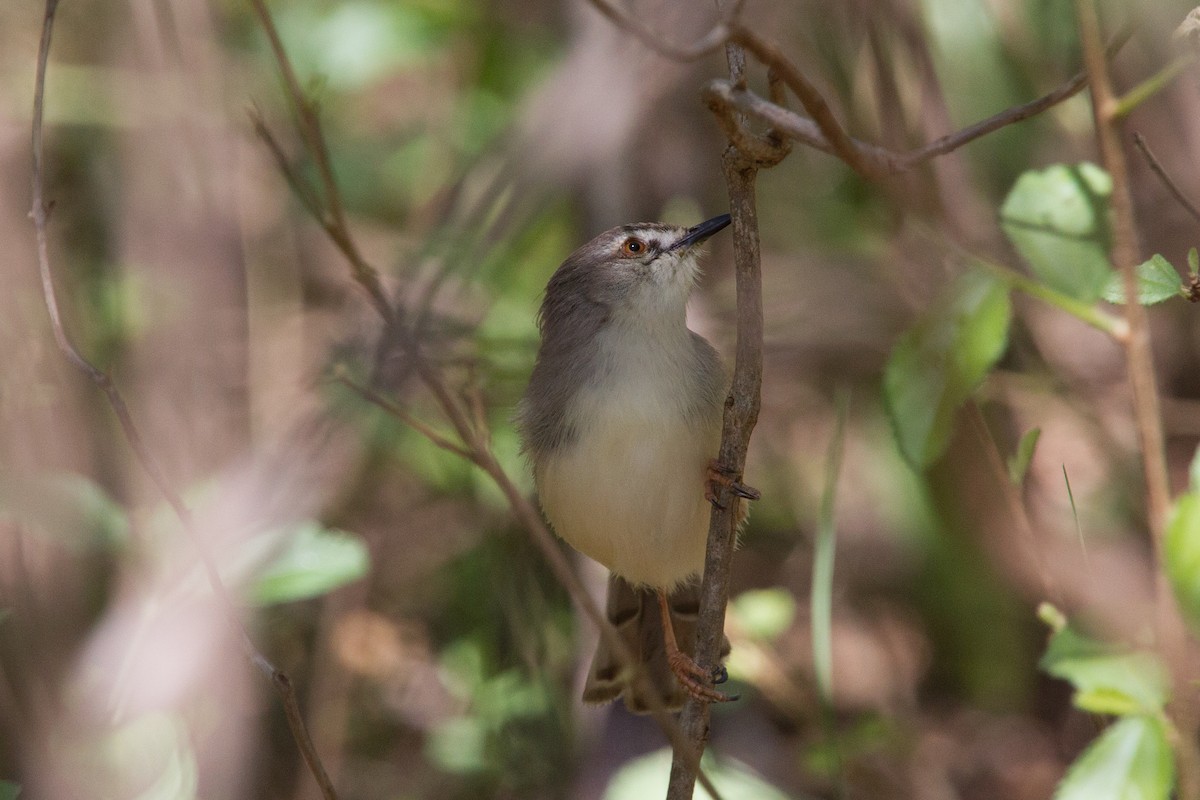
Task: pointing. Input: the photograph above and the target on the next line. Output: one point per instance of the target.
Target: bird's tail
(635, 615)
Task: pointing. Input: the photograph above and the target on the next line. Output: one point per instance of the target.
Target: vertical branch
(1106, 111)
(741, 414)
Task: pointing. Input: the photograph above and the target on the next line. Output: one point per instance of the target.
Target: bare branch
(400, 413)
(308, 123)
(141, 452)
(741, 415)
(1175, 191)
(1172, 637)
(870, 160)
(810, 97)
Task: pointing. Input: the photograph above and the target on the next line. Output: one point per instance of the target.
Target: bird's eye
(633, 246)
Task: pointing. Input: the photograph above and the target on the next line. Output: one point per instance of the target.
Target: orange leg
(691, 675)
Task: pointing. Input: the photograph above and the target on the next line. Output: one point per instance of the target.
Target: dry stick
(1148, 154)
(814, 103)
(875, 159)
(741, 414)
(143, 455)
(306, 115)
(1138, 353)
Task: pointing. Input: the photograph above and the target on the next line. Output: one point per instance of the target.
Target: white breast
(629, 490)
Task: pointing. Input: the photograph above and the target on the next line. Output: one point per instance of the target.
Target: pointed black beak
(698, 233)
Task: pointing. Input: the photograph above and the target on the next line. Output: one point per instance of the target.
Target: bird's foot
(721, 477)
(698, 680)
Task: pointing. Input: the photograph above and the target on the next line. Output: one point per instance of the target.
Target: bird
(621, 420)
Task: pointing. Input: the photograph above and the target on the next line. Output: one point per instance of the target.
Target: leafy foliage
(1157, 281)
(940, 361)
(1057, 220)
(1132, 759)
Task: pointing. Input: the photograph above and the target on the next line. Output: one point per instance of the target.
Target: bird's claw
(718, 476)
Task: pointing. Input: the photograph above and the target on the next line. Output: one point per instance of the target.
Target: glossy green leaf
(316, 560)
(1129, 761)
(940, 361)
(1018, 462)
(1057, 220)
(1181, 551)
(1107, 679)
(1157, 281)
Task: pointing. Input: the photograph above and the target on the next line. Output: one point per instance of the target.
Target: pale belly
(629, 493)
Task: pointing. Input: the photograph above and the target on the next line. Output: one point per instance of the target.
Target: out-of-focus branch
(1172, 635)
(40, 213)
(1157, 167)
(333, 216)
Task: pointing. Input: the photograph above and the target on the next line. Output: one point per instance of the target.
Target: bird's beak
(698, 233)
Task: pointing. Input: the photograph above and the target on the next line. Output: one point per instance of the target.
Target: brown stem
(137, 444)
(814, 103)
(741, 414)
(1157, 167)
(309, 124)
(873, 160)
(1147, 416)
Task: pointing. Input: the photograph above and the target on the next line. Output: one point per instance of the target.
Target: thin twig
(141, 452)
(877, 160)
(400, 413)
(308, 122)
(1175, 191)
(811, 98)
(1147, 415)
(741, 414)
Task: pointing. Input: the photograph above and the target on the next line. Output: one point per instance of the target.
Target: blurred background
(476, 144)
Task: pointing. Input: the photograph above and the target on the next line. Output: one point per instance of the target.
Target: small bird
(622, 423)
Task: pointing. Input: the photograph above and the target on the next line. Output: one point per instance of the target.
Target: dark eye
(633, 246)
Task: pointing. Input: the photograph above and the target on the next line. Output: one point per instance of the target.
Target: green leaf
(940, 361)
(764, 613)
(1129, 761)
(1182, 553)
(1157, 281)
(1057, 220)
(1107, 679)
(1193, 260)
(316, 561)
(1018, 462)
(9, 790)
